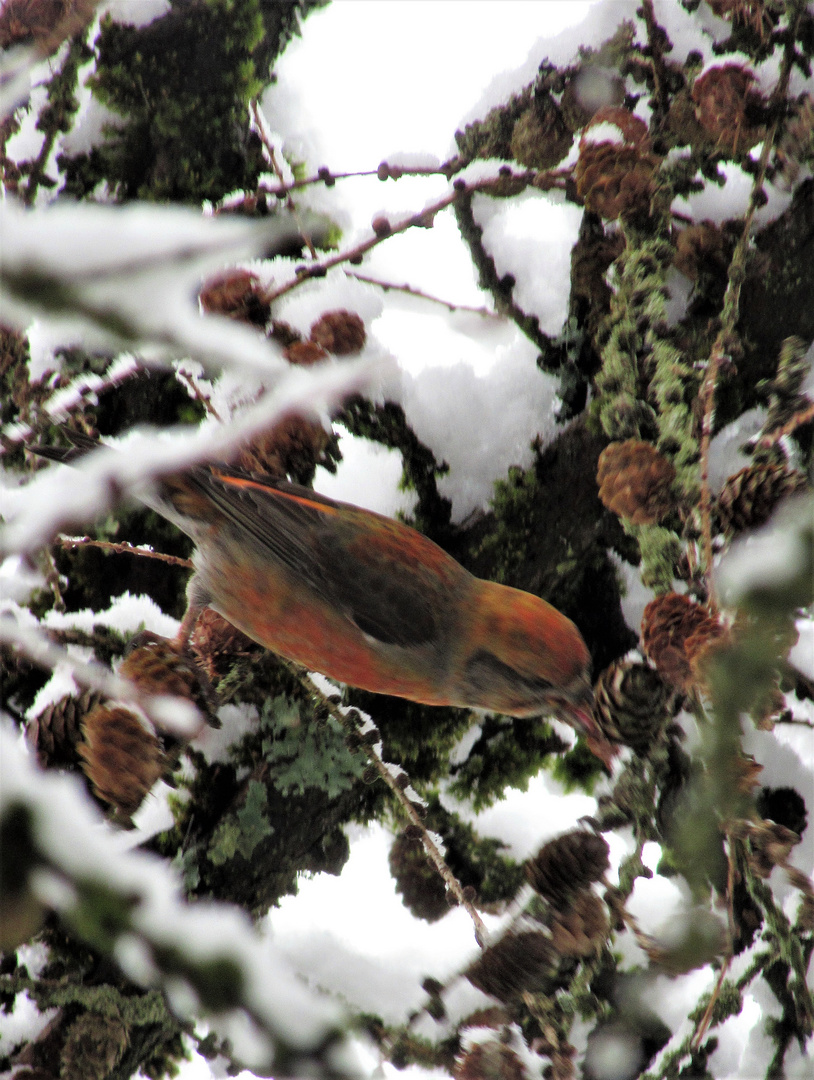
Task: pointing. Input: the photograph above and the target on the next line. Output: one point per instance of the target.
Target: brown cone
(218, 644)
(540, 138)
(294, 446)
(121, 758)
(158, 665)
(517, 962)
(305, 353)
(237, 294)
(700, 247)
(748, 498)
(340, 332)
(417, 880)
(491, 1060)
(56, 732)
(634, 481)
(725, 105)
(632, 703)
(668, 622)
(567, 864)
(582, 929)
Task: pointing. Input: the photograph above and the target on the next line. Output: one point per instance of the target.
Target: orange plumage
(367, 600)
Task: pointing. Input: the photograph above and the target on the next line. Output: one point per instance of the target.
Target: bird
(365, 599)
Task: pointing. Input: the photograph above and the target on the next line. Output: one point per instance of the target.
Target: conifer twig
(411, 290)
(384, 229)
(265, 137)
(122, 549)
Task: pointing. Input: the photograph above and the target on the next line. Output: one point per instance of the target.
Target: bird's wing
(334, 551)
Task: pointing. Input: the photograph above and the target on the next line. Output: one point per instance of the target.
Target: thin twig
(384, 172)
(654, 44)
(706, 1019)
(324, 176)
(803, 416)
(792, 719)
(423, 219)
(122, 549)
(186, 379)
(265, 137)
(388, 286)
(348, 724)
(52, 578)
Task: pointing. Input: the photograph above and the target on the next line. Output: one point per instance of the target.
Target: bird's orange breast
(282, 615)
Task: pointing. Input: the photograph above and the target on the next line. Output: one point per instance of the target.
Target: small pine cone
(417, 880)
(582, 929)
(293, 447)
(728, 108)
(668, 622)
(93, 1048)
(121, 758)
(157, 665)
(699, 248)
(494, 1016)
(218, 644)
(237, 294)
(632, 130)
(635, 480)
(734, 9)
(567, 864)
(514, 964)
(632, 702)
(305, 353)
(56, 732)
(340, 332)
(491, 1060)
(615, 181)
(748, 498)
(540, 137)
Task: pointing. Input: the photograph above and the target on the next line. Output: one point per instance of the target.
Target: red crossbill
(368, 601)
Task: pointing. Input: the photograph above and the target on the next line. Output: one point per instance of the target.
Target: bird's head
(527, 659)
